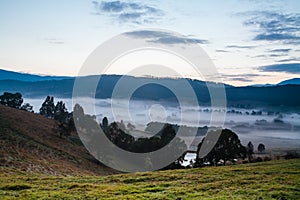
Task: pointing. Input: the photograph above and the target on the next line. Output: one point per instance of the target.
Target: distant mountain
(294, 81)
(262, 85)
(10, 75)
(280, 96)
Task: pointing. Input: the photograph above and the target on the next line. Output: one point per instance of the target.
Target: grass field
(278, 179)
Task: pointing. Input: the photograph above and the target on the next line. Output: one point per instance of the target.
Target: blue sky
(249, 41)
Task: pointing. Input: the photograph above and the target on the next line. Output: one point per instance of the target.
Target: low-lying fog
(274, 129)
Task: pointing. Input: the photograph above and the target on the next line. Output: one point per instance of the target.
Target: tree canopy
(11, 100)
(227, 148)
(48, 108)
(261, 148)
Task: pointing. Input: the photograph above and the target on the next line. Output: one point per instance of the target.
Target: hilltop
(31, 143)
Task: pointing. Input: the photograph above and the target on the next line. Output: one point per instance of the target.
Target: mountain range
(284, 94)
(19, 76)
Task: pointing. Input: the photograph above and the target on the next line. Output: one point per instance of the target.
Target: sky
(249, 41)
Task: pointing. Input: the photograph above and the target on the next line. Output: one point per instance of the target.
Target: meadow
(277, 179)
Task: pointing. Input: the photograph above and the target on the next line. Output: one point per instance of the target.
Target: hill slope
(30, 143)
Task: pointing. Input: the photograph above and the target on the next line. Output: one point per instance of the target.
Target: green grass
(267, 180)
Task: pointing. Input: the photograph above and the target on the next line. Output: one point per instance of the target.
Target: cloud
(242, 79)
(164, 37)
(249, 75)
(276, 36)
(275, 26)
(289, 59)
(54, 41)
(270, 55)
(240, 47)
(293, 68)
(222, 51)
(128, 12)
(277, 55)
(274, 53)
(280, 50)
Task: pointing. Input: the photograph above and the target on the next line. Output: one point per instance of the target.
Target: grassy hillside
(31, 143)
(267, 180)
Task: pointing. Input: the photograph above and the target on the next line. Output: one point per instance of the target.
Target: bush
(258, 159)
(267, 158)
(292, 155)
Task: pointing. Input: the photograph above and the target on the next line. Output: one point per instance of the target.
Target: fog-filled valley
(264, 125)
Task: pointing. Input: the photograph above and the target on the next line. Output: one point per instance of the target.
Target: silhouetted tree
(61, 113)
(90, 134)
(119, 137)
(227, 148)
(104, 124)
(11, 100)
(167, 134)
(27, 107)
(261, 148)
(71, 124)
(48, 108)
(250, 150)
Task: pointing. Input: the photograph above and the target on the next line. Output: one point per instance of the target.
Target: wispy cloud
(241, 79)
(275, 26)
(293, 68)
(289, 59)
(222, 51)
(273, 55)
(240, 46)
(128, 12)
(280, 50)
(247, 77)
(277, 55)
(286, 37)
(164, 37)
(54, 41)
